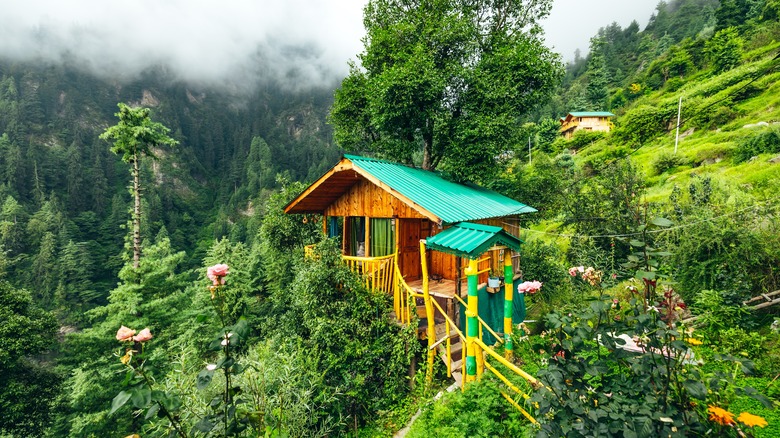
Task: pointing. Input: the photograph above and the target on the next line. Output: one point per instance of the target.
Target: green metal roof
(470, 240)
(451, 202)
(592, 114)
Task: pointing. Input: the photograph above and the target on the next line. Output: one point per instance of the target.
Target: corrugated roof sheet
(592, 114)
(470, 240)
(451, 202)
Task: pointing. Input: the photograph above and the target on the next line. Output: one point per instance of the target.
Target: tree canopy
(443, 82)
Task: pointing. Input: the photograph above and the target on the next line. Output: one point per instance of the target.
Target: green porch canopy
(470, 240)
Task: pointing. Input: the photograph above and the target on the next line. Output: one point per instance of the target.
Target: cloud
(572, 23)
(298, 41)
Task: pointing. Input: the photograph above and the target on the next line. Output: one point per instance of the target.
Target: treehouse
(585, 121)
(427, 241)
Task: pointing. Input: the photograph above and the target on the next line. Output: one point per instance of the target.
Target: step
(456, 348)
(458, 377)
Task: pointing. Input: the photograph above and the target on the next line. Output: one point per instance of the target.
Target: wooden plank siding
(368, 200)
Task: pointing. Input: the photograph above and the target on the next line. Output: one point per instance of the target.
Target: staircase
(456, 351)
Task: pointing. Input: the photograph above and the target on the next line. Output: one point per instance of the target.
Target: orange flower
(720, 416)
(751, 420)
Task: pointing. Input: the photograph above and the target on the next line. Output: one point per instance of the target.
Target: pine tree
(135, 137)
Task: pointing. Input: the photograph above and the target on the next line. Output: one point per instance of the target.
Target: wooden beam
(342, 165)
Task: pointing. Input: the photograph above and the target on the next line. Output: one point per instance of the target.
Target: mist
(236, 43)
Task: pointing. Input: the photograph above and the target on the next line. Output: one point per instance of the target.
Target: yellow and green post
(472, 323)
(508, 303)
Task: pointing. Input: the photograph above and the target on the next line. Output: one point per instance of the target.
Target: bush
(641, 124)
(764, 141)
(666, 161)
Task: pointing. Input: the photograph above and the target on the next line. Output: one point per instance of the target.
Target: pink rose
(217, 273)
(530, 287)
(124, 334)
(143, 336)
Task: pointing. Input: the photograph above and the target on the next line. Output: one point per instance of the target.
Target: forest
(213, 322)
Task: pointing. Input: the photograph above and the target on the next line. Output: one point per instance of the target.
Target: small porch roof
(470, 240)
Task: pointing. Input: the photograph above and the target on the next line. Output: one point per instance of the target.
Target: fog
(299, 43)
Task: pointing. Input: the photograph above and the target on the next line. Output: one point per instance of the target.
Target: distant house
(588, 121)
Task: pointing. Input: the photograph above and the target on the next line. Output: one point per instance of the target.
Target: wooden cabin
(378, 208)
(412, 234)
(587, 121)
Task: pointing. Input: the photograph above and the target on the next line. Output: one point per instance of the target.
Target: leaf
(637, 243)
(141, 396)
(204, 379)
(119, 401)
(696, 389)
(661, 222)
(152, 411)
(204, 425)
(644, 274)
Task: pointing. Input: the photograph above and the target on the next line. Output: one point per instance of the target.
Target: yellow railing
(403, 296)
(377, 272)
(449, 326)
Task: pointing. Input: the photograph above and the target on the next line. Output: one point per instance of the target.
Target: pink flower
(124, 334)
(143, 336)
(530, 287)
(217, 273)
(573, 271)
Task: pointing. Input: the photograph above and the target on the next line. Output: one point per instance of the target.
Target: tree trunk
(136, 213)
(427, 162)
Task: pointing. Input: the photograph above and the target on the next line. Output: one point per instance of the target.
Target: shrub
(763, 141)
(666, 161)
(641, 124)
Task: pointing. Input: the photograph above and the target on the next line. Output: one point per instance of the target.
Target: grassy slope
(709, 151)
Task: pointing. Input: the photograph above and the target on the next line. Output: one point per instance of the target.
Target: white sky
(217, 42)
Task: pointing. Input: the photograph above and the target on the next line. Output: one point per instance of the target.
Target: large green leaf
(119, 401)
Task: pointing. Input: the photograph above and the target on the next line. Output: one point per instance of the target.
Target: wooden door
(409, 235)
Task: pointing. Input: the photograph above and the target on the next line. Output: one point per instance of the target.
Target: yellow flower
(126, 358)
(751, 420)
(135, 435)
(720, 416)
(694, 341)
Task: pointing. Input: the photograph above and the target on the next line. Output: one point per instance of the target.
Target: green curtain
(382, 237)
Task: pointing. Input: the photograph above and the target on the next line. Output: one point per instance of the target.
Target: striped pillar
(472, 324)
(508, 303)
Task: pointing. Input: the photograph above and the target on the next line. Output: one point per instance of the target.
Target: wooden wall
(366, 199)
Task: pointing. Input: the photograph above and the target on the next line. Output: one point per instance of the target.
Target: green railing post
(472, 324)
(508, 303)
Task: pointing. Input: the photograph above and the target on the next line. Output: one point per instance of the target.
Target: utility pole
(677, 135)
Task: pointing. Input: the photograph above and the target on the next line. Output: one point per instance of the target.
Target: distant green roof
(451, 202)
(470, 240)
(592, 114)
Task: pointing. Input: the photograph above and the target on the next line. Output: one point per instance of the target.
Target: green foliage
(444, 80)
(641, 125)
(595, 387)
(726, 250)
(27, 387)
(479, 411)
(136, 135)
(364, 357)
(666, 161)
(542, 183)
(762, 141)
(545, 261)
(725, 49)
